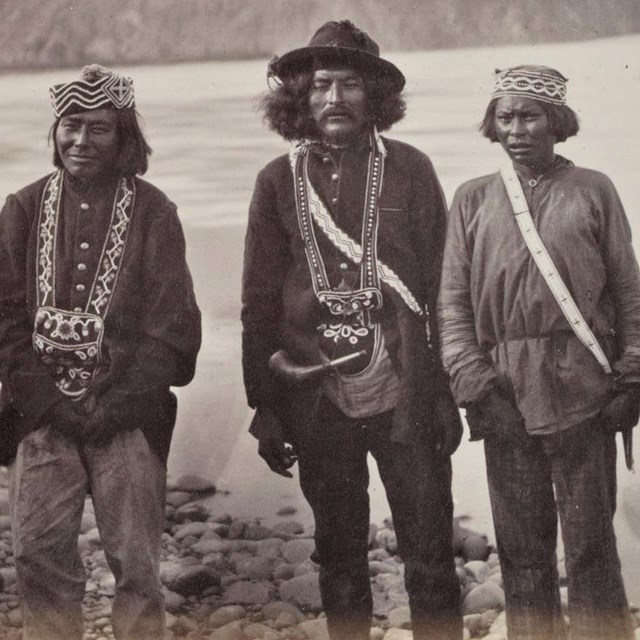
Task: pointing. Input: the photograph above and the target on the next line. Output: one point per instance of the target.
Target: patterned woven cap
(531, 81)
(97, 88)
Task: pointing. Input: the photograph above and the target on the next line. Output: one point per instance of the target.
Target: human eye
(100, 129)
(320, 85)
(69, 125)
(504, 116)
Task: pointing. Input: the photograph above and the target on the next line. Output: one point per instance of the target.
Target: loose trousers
(334, 478)
(49, 481)
(573, 475)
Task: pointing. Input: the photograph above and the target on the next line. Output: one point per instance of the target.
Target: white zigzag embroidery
(109, 90)
(46, 241)
(113, 251)
(349, 246)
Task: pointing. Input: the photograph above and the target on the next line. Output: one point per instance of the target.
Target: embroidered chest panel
(69, 343)
(347, 324)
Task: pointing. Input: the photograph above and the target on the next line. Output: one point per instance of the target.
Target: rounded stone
(302, 591)
(478, 570)
(226, 614)
(247, 593)
(400, 617)
(296, 551)
(273, 610)
(485, 596)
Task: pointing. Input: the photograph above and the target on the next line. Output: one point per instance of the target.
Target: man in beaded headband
(541, 83)
(346, 265)
(546, 86)
(546, 400)
(98, 320)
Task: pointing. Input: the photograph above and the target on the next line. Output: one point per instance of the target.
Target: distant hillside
(55, 33)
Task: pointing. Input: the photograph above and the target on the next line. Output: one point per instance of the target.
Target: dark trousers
(334, 479)
(573, 475)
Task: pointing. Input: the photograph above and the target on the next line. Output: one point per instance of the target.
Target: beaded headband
(97, 88)
(529, 81)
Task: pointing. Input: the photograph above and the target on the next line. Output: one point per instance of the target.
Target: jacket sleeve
(31, 389)
(469, 366)
(169, 334)
(430, 210)
(623, 282)
(266, 261)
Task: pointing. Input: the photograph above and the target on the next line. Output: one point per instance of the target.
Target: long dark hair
(286, 108)
(134, 151)
(563, 121)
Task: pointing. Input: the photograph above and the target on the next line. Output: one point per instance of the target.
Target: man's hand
(277, 454)
(623, 412)
(105, 417)
(495, 416)
(64, 419)
(101, 426)
(447, 424)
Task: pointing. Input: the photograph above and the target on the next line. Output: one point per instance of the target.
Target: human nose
(81, 136)
(518, 127)
(335, 93)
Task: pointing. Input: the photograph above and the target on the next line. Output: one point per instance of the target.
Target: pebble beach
(226, 578)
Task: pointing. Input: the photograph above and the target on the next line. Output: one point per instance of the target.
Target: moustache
(345, 113)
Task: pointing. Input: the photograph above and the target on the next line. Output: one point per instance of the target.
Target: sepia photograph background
(199, 68)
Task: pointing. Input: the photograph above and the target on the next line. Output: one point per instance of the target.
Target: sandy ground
(209, 144)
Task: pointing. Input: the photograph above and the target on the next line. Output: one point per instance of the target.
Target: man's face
(522, 128)
(87, 142)
(338, 104)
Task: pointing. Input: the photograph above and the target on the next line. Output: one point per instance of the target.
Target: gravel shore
(236, 579)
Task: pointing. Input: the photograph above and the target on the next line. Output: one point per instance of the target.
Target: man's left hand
(447, 424)
(101, 426)
(623, 412)
(112, 413)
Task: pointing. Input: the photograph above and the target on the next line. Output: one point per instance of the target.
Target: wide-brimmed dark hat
(340, 43)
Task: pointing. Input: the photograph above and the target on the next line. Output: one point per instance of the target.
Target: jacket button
(82, 266)
(334, 177)
(77, 309)
(84, 246)
(80, 287)
(84, 206)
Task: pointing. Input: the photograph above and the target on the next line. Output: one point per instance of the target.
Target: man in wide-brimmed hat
(97, 321)
(342, 262)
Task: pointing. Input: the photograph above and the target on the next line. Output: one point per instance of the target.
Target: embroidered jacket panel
(499, 320)
(152, 329)
(279, 306)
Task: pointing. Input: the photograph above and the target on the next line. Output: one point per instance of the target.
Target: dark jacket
(152, 330)
(279, 307)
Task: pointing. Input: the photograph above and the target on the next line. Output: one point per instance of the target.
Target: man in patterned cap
(342, 262)
(547, 370)
(97, 320)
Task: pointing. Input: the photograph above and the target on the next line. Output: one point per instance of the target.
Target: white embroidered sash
(314, 208)
(69, 343)
(547, 268)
